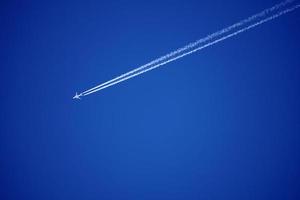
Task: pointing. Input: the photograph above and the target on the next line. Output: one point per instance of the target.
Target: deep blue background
(223, 123)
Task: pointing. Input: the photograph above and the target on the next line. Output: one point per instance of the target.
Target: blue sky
(223, 123)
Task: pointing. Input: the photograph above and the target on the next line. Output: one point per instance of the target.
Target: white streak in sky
(198, 45)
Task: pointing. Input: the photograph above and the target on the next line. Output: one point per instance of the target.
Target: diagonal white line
(194, 47)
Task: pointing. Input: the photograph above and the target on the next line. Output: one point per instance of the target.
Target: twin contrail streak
(210, 40)
(191, 45)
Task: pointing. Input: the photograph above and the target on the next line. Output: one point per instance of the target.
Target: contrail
(205, 39)
(192, 47)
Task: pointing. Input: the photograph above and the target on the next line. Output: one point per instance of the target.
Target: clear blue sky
(223, 123)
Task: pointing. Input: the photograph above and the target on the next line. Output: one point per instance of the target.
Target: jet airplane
(77, 96)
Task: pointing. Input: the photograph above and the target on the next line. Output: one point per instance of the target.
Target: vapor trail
(192, 47)
(200, 48)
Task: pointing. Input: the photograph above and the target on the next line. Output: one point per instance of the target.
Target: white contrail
(197, 49)
(191, 47)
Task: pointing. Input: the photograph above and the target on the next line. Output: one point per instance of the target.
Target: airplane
(77, 96)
